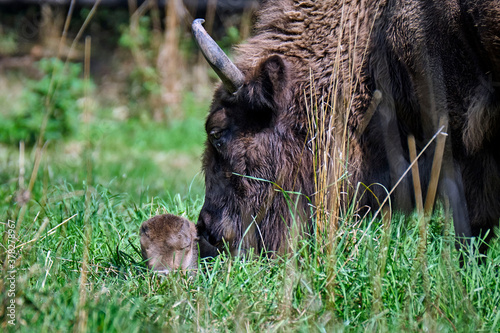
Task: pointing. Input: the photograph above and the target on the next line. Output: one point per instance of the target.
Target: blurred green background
(142, 109)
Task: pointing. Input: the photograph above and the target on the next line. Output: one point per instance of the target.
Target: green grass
(305, 291)
(140, 168)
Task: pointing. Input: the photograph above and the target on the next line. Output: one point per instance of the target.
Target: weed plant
(24, 124)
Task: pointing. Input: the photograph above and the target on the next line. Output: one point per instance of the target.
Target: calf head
(169, 242)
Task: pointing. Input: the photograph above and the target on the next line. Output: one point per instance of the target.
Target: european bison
(424, 60)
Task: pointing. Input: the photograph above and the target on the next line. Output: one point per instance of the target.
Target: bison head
(254, 156)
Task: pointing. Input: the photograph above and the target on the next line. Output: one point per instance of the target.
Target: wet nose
(204, 227)
(206, 241)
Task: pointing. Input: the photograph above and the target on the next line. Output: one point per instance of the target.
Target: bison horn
(230, 75)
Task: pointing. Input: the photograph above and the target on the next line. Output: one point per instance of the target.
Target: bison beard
(429, 60)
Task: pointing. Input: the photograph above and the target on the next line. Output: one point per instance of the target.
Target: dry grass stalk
(170, 64)
(328, 127)
(144, 64)
(328, 164)
(41, 229)
(436, 167)
(22, 195)
(416, 175)
(210, 15)
(329, 139)
(166, 60)
(50, 28)
(81, 314)
(39, 148)
(132, 6)
(422, 260)
(137, 53)
(424, 212)
(439, 132)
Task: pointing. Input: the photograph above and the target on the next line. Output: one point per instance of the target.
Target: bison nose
(206, 241)
(205, 230)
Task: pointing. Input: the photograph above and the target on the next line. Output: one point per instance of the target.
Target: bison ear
(273, 75)
(266, 93)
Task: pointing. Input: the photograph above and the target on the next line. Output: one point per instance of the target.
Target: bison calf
(169, 242)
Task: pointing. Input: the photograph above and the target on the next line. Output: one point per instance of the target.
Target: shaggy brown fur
(169, 242)
(429, 59)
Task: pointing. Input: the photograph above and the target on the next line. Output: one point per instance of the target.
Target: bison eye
(216, 138)
(216, 134)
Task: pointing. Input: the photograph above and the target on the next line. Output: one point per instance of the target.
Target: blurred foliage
(54, 96)
(232, 37)
(8, 42)
(146, 83)
(143, 81)
(142, 38)
(105, 26)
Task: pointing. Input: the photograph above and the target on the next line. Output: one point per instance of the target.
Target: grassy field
(71, 258)
(370, 281)
(77, 263)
